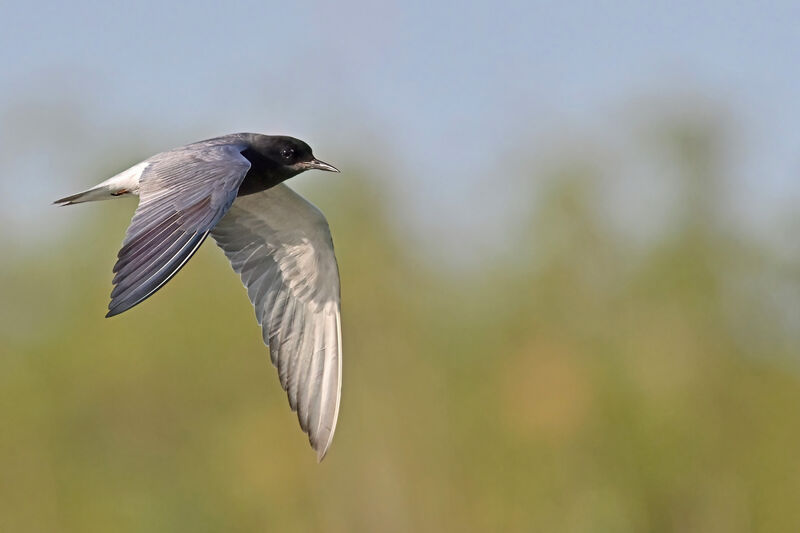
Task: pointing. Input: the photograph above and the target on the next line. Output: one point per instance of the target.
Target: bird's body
(231, 187)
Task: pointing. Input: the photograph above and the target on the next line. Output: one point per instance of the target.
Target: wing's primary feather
(281, 246)
(183, 194)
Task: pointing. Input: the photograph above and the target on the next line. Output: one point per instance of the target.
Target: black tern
(279, 243)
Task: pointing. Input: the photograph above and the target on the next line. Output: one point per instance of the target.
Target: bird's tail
(89, 195)
(124, 183)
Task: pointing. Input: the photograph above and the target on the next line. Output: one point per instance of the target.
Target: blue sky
(441, 92)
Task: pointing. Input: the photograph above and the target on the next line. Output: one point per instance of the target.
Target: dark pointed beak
(320, 165)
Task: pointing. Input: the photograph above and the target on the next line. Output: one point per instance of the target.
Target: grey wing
(182, 195)
(281, 246)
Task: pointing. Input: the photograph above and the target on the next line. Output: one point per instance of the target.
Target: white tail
(126, 182)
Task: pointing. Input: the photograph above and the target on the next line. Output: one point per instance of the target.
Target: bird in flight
(231, 187)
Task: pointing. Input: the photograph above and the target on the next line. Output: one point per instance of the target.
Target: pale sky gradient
(441, 92)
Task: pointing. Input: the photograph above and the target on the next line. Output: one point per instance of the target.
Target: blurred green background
(607, 339)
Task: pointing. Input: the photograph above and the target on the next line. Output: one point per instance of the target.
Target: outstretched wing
(183, 194)
(281, 246)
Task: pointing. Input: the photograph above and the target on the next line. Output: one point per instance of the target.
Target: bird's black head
(283, 157)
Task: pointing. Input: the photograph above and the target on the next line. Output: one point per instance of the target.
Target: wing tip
(117, 307)
(321, 455)
(129, 298)
(322, 451)
(321, 446)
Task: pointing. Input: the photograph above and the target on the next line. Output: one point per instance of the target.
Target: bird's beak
(319, 165)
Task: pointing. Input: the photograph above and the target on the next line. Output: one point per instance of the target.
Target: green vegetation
(583, 383)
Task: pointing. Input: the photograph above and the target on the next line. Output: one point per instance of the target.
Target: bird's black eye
(287, 153)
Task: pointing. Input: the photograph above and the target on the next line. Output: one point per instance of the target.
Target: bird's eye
(287, 153)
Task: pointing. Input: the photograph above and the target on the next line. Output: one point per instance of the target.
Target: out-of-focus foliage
(579, 384)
